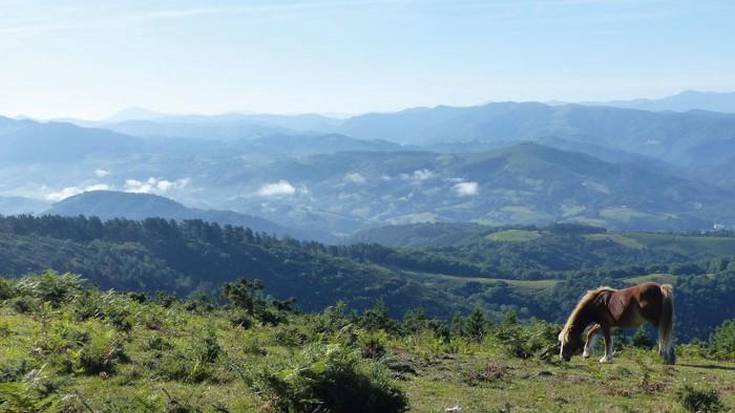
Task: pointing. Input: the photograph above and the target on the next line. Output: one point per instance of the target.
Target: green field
(514, 235)
(686, 244)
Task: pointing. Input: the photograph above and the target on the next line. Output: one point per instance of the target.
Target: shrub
(23, 304)
(245, 294)
(211, 350)
(87, 305)
(248, 296)
(332, 379)
(416, 320)
(476, 325)
(34, 393)
(50, 287)
(241, 319)
(110, 306)
(13, 370)
(525, 341)
(372, 347)
(722, 341)
(190, 362)
(120, 318)
(699, 400)
(100, 355)
(289, 336)
(641, 339)
(6, 290)
(157, 343)
(377, 318)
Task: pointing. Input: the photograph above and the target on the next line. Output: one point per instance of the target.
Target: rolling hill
(523, 184)
(138, 206)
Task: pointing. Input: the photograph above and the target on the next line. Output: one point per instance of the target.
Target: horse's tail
(666, 325)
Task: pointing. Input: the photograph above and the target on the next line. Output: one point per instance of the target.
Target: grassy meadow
(65, 348)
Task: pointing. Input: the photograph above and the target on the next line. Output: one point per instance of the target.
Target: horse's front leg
(608, 345)
(590, 340)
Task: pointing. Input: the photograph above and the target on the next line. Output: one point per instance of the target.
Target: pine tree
(475, 325)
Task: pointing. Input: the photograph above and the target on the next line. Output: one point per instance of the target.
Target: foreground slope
(66, 349)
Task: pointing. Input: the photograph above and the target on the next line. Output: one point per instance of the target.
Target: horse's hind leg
(666, 325)
(590, 340)
(608, 345)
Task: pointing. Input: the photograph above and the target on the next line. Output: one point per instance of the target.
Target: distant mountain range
(680, 102)
(667, 136)
(214, 127)
(25, 141)
(500, 163)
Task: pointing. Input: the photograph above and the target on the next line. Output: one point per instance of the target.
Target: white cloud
(154, 185)
(74, 190)
(418, 175)
(279, 188)
(466, 188)
(101, 173)
(355, 178)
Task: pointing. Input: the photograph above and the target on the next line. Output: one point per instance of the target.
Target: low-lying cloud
(280, 188)
(355, 178)
(154, 185)
(466, 188)
(418, 175)
(150, 186)
(70, 191)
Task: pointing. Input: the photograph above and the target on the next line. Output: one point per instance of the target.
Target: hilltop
(137, 206)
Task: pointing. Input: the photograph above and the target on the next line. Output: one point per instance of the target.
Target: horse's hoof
(605, 360)
(586, 355)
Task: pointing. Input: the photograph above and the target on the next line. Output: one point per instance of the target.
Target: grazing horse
(604, 308)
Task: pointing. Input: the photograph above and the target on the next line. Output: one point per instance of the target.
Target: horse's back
(633, 305)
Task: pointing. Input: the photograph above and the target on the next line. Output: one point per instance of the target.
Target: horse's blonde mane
(586, 298)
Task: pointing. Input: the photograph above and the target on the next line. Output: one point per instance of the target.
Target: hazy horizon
(350, 57)
(153, 112)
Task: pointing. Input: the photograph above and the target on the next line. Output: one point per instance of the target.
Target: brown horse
(605, 308)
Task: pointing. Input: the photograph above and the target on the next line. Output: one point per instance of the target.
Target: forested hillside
(538, 272)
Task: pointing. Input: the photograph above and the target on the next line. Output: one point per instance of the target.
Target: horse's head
(570, 340)
(569, 345)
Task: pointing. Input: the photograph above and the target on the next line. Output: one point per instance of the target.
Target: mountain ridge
(137, 206)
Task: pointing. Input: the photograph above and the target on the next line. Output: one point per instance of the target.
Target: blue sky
(89, 58)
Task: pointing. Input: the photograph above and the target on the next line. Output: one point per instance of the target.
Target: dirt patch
(494, 371)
